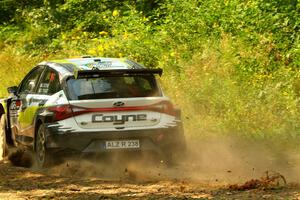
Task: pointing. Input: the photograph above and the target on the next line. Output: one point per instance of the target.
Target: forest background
(233, 66)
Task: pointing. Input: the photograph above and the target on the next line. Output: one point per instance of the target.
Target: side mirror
(12, 90)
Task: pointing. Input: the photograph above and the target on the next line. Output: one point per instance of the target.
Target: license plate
(122, 144)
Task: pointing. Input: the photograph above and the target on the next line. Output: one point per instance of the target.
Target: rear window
(112, 87)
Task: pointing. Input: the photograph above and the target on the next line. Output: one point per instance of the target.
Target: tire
(3, 144)
(42, 155)
(174, 156)
(176, 151)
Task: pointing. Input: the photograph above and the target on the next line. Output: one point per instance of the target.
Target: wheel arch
(3, 111)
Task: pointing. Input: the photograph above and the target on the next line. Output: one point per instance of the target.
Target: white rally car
(91, 105)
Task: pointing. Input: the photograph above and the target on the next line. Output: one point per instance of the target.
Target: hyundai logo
(119, 103)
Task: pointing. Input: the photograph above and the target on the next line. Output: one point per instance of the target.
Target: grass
(12, 69)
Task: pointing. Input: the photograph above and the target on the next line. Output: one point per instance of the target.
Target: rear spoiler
(115, 72)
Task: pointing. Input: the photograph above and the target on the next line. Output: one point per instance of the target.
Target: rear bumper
(155, 140)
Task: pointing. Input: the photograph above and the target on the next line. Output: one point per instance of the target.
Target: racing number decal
(15, 105)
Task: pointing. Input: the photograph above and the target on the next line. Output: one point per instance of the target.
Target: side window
(28, 85)
(50, 83)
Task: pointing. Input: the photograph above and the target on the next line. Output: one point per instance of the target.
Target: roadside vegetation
(232, 66)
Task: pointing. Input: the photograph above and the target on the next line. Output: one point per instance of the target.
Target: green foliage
(233, 66)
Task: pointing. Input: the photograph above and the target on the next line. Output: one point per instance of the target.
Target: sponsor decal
(118, 119)
(99, 64)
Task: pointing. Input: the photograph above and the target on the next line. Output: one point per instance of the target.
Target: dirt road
(84, 181)
(216, 168)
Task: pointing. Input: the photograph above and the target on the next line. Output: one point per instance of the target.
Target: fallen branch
(269, 180)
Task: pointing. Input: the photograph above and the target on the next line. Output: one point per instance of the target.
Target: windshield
(112, 87)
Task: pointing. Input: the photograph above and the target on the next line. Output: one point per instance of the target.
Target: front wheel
(3, 144)
(42, 155)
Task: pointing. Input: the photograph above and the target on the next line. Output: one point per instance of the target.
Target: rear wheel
(175, 152)
(174, 156)
(3, 145)
(42, 155)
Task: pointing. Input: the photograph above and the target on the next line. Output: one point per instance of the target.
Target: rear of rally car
(115, 110)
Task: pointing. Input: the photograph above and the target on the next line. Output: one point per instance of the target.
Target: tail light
(62, 112)
(165, 107)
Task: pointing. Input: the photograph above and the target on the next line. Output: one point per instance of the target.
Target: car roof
(72, 65)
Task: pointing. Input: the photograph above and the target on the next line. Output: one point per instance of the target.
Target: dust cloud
(236, 160)
(213, 160)
(209, 160)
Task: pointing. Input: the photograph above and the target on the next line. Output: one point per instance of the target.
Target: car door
(47, 85)
(22, 108)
